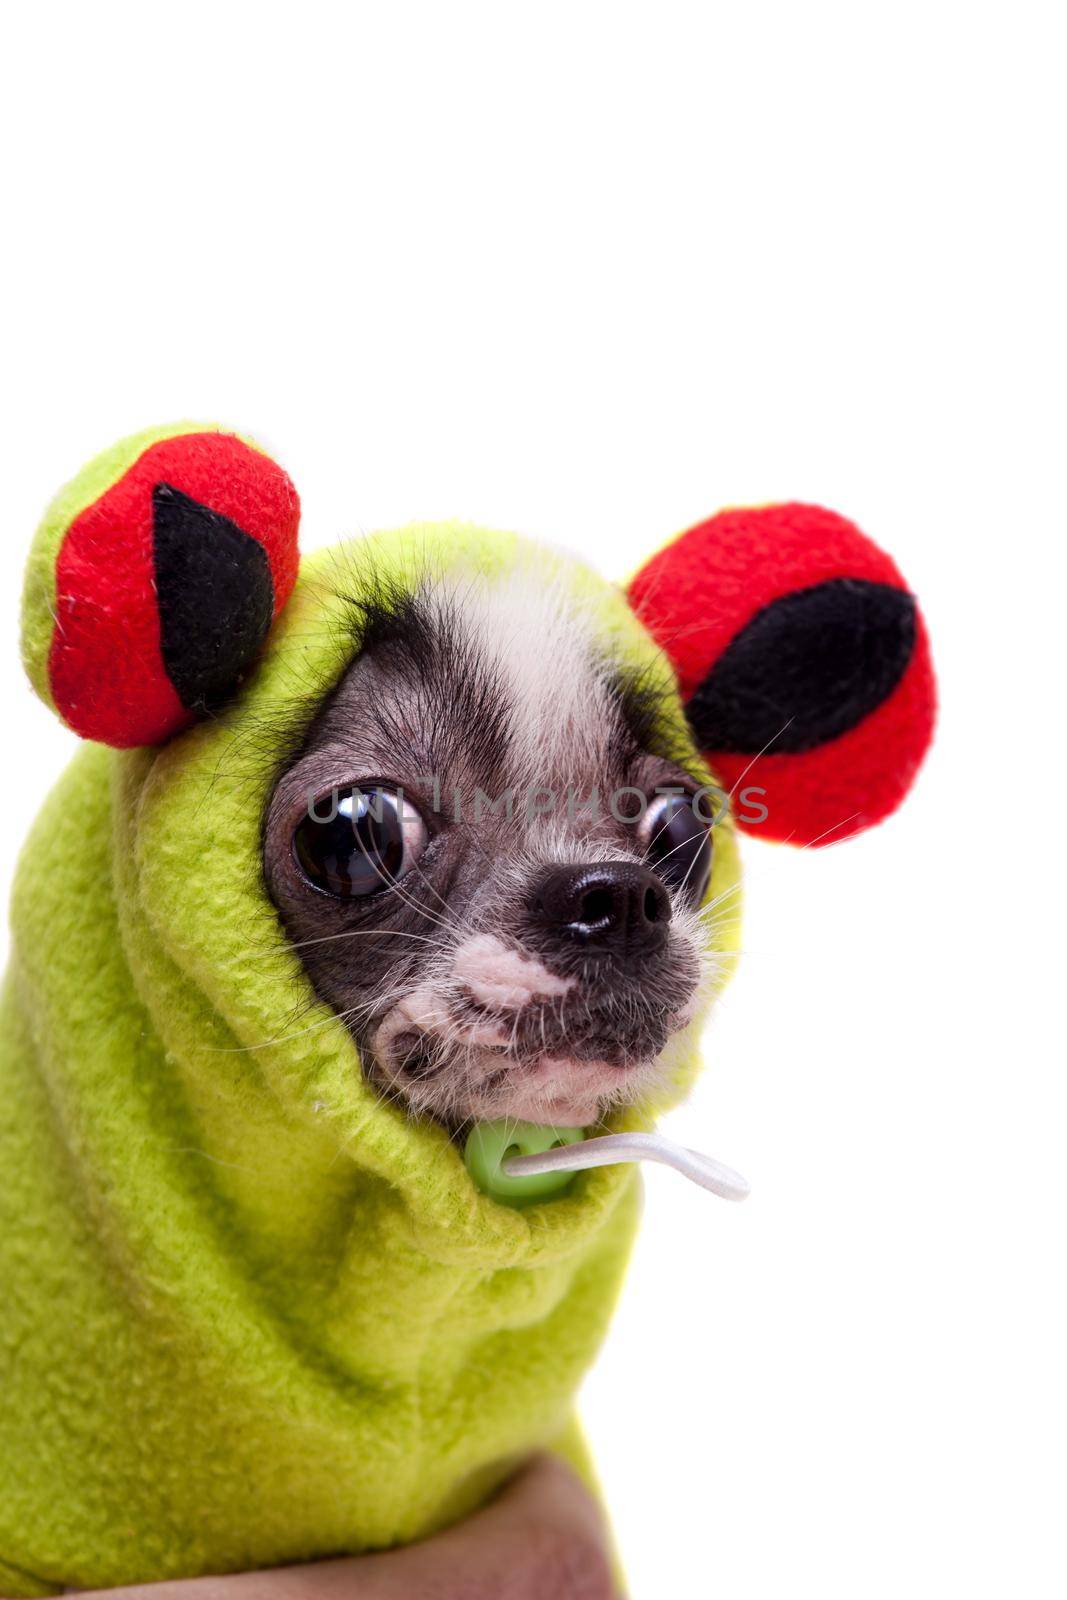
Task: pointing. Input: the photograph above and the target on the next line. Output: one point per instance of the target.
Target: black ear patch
(215, 596)
(806, 668)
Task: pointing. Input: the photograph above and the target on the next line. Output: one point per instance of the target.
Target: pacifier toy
(520, 1163)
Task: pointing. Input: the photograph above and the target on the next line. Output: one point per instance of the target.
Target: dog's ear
(803, 663)
(154, 579)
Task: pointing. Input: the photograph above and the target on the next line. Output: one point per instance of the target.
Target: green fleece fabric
(249, 1312)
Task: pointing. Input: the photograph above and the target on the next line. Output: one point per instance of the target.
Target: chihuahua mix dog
(491, 860)
(327, 893)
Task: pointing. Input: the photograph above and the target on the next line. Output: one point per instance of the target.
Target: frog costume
(250, 1314)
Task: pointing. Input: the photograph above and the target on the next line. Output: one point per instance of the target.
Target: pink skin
(564, 1092)
(502, 979)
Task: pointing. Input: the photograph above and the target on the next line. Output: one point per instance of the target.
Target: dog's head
(488, 854)
(495, 846)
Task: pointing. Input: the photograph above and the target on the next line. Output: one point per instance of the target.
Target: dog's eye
(356, 842)
(678, 846)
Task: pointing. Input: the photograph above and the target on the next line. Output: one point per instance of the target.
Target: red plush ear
(170, 556)
(803, 662)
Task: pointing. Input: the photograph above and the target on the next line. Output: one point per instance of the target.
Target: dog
(488, 858)
(443, 835)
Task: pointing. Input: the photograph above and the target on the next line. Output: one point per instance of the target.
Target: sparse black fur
(644, 726)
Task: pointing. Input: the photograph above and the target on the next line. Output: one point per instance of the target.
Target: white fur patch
(539, 642)
(503, 979)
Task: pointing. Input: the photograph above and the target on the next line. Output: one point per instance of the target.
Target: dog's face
(489, 860)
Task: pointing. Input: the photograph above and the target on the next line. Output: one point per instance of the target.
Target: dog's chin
(565, 1092)
(556, 1090)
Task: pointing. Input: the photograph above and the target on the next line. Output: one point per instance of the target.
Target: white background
(591, 273)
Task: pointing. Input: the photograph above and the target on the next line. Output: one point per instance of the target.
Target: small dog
(451, 811)
(491, 860)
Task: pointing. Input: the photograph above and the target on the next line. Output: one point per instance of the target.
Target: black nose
(615, 905)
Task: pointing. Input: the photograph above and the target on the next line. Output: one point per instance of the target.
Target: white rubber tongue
(609, 1148)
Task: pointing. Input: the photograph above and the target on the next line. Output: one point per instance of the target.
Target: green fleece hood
(250, 1313)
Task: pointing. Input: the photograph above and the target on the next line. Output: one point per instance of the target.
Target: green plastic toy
(491, 1143)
